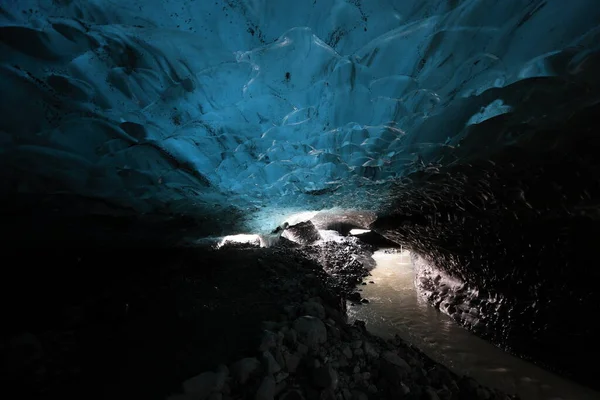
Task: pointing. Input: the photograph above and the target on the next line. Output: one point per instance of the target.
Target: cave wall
(521, 226)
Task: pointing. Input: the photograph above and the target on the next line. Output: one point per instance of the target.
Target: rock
(358, 395)
(266, 390)
(371, 282)
(347, 394)
(394, 368)
(242, 370)
(268, 341)
(354, 296)
(302, 349)
(270, 325)
(280, 338)
(483, 394)
(270, 364)
(290, 310)
(278, 354)
(404, 389)
(333, 330)
(281, 376)
(337, 316)
(370, 350)
(357, 344)
(280, 387)
(290, 338)
(468, 385)
(396, 360)
(311, 331)
(313, 309)
(359, 352)
(291, 362)
(201, 385)
(364, 301)
(325, 377)
(183, 396)
(430, 394)
(304, 233)
(347, 352)
(445, 394)
(292, 395)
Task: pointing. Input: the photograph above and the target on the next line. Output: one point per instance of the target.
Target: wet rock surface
(254, 323)
(347, 260)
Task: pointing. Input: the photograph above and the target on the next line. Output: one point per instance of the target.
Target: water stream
(396, 308)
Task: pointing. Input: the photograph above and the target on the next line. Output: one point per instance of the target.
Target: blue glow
(260, 104)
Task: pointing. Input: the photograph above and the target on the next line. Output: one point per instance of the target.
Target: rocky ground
(261, 324)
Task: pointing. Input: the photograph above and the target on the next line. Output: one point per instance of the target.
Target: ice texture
(262, 104)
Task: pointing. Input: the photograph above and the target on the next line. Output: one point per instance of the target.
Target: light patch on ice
(330, 235)
(359, 231)
(495, 108)
(241, 238)
(300, 217)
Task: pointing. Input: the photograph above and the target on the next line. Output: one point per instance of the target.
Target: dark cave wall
(523, 224)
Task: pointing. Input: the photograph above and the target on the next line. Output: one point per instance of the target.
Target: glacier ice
(183, 105)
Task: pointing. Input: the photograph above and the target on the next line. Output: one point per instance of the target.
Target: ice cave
(223, 199)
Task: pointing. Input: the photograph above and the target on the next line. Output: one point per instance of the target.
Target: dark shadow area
(134, 323)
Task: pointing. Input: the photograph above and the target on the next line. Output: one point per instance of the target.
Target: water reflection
(395, 308)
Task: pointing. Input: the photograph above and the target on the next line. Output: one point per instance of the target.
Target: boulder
(313, 309)
(271, 366)
(325, 377)
(311, 331)
(266, 390)
(243, 369)
(304, 233)
(201, 385)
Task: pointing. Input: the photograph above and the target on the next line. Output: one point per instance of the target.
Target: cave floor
(136, 324)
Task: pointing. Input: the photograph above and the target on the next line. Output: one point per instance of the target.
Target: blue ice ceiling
(264, 103)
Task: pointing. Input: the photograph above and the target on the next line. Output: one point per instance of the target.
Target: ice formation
(184, 105)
